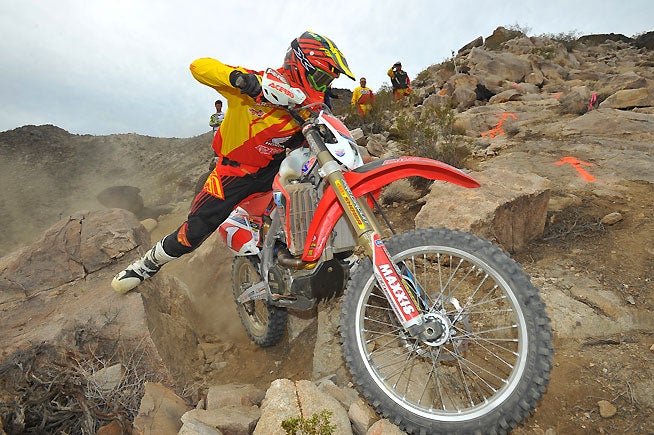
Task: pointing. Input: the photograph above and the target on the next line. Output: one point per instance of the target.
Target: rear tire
(264, 323)
(488, 369)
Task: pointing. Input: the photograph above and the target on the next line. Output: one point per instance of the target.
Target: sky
(104, 67)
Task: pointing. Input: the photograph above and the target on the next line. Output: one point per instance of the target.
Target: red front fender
(370, 178)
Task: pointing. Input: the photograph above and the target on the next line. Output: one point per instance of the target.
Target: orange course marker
(577, 164)
(497, 130)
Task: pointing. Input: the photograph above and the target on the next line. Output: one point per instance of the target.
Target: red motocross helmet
(312, 62)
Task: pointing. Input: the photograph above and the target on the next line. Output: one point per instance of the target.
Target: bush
(547, 52)
(431, 134)
(317, 424)
(570, 40)
(49, 389)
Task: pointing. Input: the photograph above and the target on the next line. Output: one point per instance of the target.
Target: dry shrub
(50, 389)
(432, 134)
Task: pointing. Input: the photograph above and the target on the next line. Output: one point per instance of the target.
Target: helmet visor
(320, 79)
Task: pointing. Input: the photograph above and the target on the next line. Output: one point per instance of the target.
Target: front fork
(390, 279)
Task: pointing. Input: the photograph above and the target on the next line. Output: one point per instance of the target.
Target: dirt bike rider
(250, 144)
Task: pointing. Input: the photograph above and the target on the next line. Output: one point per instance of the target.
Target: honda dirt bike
(440, 329)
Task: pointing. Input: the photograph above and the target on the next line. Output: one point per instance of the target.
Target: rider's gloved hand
(249, 84)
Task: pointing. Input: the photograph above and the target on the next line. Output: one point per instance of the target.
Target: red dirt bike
(440, 329)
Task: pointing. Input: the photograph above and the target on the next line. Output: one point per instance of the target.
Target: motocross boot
(141, 269)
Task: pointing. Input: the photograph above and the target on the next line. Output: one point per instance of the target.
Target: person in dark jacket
(329, 94)
(400, 81)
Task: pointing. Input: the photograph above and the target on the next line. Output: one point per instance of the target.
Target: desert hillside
(48, 173)
(572, 116)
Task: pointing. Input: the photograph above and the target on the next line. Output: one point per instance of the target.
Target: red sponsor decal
(282, 89)
(392, 283)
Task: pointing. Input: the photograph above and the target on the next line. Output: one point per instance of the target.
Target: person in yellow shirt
(250, 144)
(399, 80)
(363, 97)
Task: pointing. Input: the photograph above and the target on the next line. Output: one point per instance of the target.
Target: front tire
(490, 366)
(264, 323)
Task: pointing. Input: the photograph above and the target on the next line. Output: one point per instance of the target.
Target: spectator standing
(217, 118)
(329, 94)
(399, 80)
(363, 97)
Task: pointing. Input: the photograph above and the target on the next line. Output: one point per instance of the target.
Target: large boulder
(630, 98)
(500, 36)
(464, 88)
(509, 208)
(505, 66)
(160, 411)
(71, 249)
(477, 42)
(611, 122)
(576, 101)
(56, 290)
(286, 399)
(611, 83)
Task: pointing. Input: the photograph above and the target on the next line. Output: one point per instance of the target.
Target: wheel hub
(437, 329)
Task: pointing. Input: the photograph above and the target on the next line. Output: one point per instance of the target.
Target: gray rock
(108, 378)
(279, 404)
(313, 401)
(362, 417)
(509, 208)
(612, 218)
(236, 420)
(327, 354)
(606, 409)
(629, 98)
(345, 395)
(160, 411)
(73, 247)
(384, 427)
(219, 396)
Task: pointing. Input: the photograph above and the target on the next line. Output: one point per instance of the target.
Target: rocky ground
(594, 262)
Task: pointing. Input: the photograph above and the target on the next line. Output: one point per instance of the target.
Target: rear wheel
(264, 323)
(490, 364)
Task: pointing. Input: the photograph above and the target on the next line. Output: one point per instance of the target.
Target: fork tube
(331, 170)
(367, 230)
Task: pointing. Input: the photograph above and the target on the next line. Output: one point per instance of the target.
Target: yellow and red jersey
(362, 95)
(252, 131)
(362, 99)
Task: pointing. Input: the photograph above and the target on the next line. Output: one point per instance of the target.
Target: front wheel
(489, 367)
(264, 323)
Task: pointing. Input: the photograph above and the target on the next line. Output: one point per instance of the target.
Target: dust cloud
(47, 174)
(208, 282)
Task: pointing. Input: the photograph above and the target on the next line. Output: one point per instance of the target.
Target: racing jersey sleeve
(253, 131)
(391, 73)
(356, 95)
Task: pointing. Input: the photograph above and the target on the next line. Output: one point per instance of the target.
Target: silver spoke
(476, 358)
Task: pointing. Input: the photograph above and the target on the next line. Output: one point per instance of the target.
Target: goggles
(320, 79)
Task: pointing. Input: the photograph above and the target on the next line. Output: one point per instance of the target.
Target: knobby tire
(488, 376)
